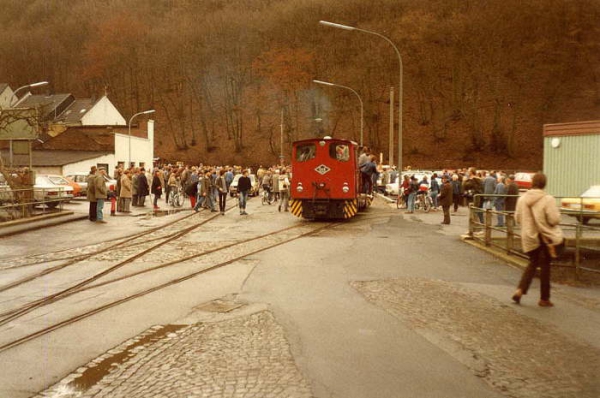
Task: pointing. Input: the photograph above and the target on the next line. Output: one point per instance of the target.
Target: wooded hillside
(480, 77)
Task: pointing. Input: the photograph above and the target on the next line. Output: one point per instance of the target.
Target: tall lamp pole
(10, 101)
(130, 120)
(346, 27)
(359, 99)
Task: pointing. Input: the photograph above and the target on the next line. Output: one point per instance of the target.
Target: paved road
(387, 305)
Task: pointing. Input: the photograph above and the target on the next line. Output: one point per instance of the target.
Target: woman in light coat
(126, 192)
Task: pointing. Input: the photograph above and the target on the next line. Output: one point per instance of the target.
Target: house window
(102, 166)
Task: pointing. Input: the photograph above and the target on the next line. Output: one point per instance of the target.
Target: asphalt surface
(386, 305)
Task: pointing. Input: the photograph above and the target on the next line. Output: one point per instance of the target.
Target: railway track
(245, 248)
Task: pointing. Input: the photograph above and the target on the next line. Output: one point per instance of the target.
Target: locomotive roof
(325, 139)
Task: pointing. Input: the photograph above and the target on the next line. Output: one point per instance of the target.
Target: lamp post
(129, 125)
(359, 99)
(10, 101)
(346, 27)
(14, 94)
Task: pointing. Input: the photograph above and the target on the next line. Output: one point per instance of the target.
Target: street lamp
(359, 99)
(346, 27)
(10, 101)
(130, 120)
(14, 94)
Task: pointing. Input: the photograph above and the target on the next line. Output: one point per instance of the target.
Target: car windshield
(58, 180)
(42, 180)
(593, 192)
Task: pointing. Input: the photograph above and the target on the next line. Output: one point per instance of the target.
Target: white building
(80, 133)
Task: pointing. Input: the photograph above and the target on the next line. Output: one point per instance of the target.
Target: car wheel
(52, 205)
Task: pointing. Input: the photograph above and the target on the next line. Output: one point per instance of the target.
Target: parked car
(253, 181)
(60, 180)
(523, 180)
(585, 207)
(81, 179)
(52, 190)
(6, 193)
(392, 189)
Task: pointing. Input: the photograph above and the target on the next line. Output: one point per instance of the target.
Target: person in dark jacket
(510, 204)
(156, 188)
(456, 191)
(221, 185)
(244, 186)
(445, 198)
(143, 187)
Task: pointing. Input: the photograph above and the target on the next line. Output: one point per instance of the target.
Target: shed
(571, 157)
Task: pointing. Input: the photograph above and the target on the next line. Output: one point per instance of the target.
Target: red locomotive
(326, 179)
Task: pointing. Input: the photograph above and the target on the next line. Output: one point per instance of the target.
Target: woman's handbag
(554, 251)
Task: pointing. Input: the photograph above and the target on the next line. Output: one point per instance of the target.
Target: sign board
(21, 147)
(18, 124)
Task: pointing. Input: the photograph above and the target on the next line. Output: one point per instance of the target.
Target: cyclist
(266, 186)
(173, 185)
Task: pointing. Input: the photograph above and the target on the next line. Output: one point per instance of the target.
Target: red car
(523, 180)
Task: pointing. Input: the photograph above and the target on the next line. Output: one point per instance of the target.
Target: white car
(392, 189)
(51, 190)
(80, 178)
(253, 182)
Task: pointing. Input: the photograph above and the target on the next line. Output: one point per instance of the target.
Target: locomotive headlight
(299, 187)
(345, 188)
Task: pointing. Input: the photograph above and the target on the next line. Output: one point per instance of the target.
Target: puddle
(221, 306)
(93, 374)
(160, 212)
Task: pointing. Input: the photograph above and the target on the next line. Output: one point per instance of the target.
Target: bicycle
(267, 196)
(400, 201)
(423, 202)
(176, 197)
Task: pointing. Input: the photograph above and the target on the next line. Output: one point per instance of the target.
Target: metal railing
(28, 202)
(582, 239)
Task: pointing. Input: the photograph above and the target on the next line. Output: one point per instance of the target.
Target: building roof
(80, 138)
(75, 111)
(50, 106)
(574, 128)
(3, 86)
(53, 158)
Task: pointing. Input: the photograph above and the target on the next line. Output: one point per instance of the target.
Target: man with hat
(445, 198)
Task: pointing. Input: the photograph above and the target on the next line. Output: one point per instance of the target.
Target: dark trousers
(537, 258)
(222, 201)
(456, 201)
(446, 210)
(93, 210)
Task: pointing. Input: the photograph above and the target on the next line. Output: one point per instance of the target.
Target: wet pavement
(388, 306)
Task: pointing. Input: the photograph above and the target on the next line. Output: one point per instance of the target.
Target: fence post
(510, 235)
(488, 227)
(471, 221)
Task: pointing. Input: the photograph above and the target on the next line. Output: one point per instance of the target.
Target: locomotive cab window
(340, 152)
(305, 152)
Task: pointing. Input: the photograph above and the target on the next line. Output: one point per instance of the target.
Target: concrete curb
(514, 261)
(24, 225)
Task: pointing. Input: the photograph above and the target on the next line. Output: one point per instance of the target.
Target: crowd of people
(463, 187)
(205, 186)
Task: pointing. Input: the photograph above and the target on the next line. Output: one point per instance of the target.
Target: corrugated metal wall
(574, 165)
